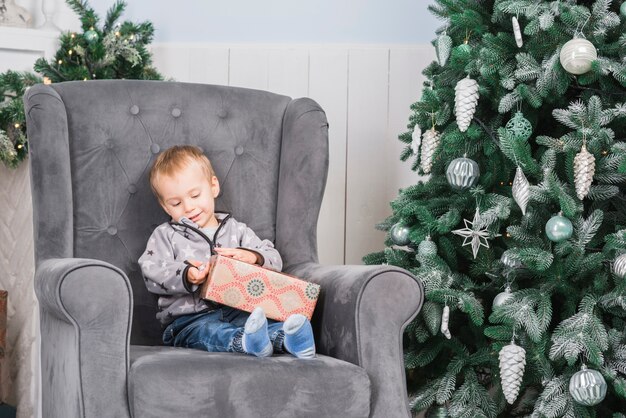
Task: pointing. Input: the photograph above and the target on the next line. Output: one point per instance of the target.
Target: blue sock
(299, 336)
(256, 340)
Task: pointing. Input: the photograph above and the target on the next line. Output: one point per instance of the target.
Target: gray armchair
(91, 145)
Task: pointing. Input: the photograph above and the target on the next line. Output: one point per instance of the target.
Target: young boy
(174, 265)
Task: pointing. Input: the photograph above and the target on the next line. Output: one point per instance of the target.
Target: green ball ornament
(400, 234)
(559, 228)
(519, 127)
(91, 36)
(622, 9)
(587, 387)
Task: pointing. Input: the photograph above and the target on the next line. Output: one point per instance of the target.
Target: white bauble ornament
(587, 386)
(521, 190)
(584, 169)
(576, 56)
(502, 298)
(517, 32)
(417, 139)
(443, 46)
(465, 101)
(559, 228)
(619, 266)
(430, 143)
(512, 363)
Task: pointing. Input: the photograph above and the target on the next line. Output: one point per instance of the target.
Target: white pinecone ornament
(584, 169)
(512, 362)
(430, 143)
(465, 101)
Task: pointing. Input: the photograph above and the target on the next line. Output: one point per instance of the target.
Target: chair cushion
(180, 382)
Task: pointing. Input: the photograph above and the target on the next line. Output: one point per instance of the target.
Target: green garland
(108, 51)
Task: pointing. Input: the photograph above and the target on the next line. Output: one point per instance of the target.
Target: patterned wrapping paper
(245, 286)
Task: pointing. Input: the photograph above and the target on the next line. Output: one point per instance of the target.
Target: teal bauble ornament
(559, 228)
(91, 36)
(622, 9)
(400, 234)
(519, 127)
(462, 173)
(587, 387)
(427, 248)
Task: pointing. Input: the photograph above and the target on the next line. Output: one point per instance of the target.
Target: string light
(70, 52)
(604, 152)
(20, 146)
(16, 126)
(73, 35)
(60, 62)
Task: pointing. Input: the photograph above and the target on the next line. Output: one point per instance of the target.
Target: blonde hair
(175, 159)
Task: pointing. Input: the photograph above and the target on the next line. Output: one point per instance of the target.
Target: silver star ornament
(473, 235)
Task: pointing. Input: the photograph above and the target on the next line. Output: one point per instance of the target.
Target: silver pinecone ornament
(443, 46)
(584, 169)
(512, 362)
(430, 143)
(465, 101)
(417, 139)
(521, 190)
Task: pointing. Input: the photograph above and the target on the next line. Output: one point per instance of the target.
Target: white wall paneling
(366, 91)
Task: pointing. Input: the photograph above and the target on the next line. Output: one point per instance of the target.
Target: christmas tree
(110, 50)
(519, 230)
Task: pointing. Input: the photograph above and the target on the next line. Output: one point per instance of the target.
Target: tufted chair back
(98, 203)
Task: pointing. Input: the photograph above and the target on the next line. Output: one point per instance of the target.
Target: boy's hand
(197, 275)
(239, 254)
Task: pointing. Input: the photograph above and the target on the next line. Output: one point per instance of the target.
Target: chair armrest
(86, 311)
(360, 317)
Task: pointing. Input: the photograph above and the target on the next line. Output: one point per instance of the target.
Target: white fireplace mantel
(20, 47)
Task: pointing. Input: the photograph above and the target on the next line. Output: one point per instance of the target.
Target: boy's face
(188, 193)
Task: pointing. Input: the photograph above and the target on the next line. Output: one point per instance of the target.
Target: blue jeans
(218, 330)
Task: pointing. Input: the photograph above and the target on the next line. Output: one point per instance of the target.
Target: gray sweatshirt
(165, 271)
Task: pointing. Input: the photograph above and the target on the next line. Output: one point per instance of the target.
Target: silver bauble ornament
(510, 262)
(622, 9)
(427, 248)
(584, 169)
(430, 143)
(462, 173)
(417, 139)
(587, 387)
(559, 228)
(502, 298)
(576, 56)
(465, 101)
(512, 363)
(400, 234)
(517, 32)
(619, 266)
(443, 46)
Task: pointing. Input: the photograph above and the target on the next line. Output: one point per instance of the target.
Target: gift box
(245, 286)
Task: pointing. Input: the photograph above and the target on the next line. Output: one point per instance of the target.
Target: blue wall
(280, 21)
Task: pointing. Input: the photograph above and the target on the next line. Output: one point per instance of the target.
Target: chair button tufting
(112, 230)
(109, 144)
(238, 150)
(176, 112)
(155, 148)
(134, 109)
(222, 113)
(132, 189)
